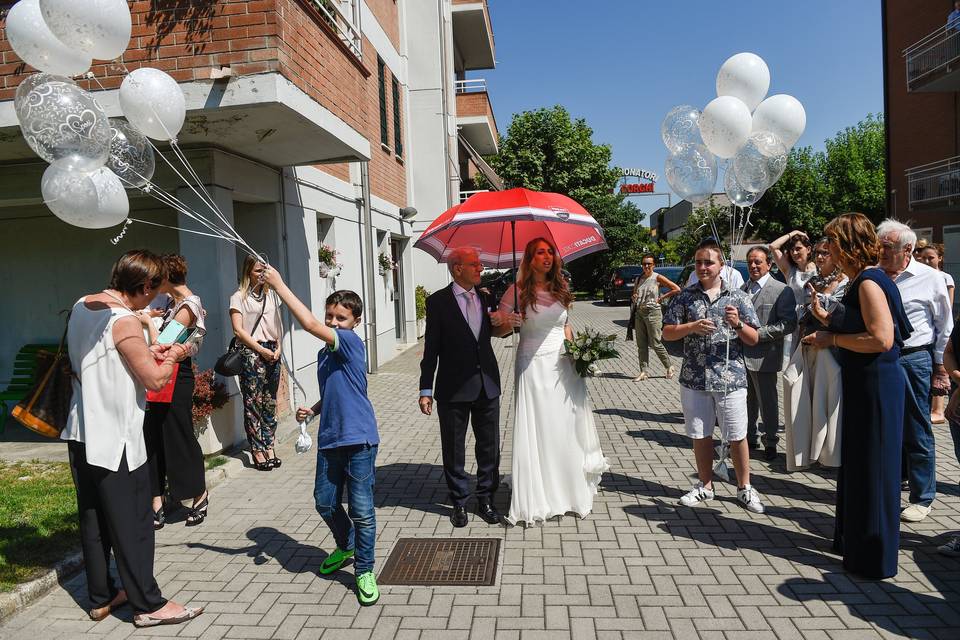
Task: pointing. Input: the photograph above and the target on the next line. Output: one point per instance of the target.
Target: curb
(28, 592)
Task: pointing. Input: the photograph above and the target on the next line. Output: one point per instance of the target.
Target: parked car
(619, 286)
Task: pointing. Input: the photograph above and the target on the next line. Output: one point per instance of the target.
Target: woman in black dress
(869, 330)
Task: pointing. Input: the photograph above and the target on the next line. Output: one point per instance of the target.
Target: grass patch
(38, 519)
(217, 461)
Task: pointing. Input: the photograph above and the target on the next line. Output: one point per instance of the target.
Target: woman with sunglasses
(648, 316)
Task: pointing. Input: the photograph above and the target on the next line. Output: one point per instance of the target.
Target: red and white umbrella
(499, 224)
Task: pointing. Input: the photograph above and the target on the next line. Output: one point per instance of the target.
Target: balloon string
(167, 226)
(123, 232)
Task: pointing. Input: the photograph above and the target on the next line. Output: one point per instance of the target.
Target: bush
(209, 395)
(421, 296)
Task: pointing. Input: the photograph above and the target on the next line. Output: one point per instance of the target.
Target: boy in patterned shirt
(714, 321)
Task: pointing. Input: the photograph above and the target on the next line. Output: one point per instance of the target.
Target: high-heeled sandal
(261, 465)
(198, 513)
(275, 462)
(159, 519)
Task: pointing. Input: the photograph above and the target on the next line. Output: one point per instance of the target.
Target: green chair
(24, 377)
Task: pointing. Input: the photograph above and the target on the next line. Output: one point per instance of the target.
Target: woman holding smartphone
(174, 455)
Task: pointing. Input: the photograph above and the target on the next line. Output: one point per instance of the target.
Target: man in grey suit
(777, 309)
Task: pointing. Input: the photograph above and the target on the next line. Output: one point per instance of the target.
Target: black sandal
(275, 462)
(198, 513)
(159, 519)
(261, 465)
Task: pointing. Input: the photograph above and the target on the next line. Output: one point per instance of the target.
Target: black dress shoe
(489, 513)
(753, 444)
(770, 454)
(459, 517)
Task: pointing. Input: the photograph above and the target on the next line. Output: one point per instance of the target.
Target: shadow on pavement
(292, 555)
(635, 414)
(414, 486)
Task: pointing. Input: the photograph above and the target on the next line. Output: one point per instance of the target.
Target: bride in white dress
(557, 461)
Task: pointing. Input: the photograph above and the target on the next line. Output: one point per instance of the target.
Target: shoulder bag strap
(260, 317)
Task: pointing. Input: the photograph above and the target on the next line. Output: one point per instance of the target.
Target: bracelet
(834, 340)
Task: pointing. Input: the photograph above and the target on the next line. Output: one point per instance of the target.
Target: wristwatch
(739, 325)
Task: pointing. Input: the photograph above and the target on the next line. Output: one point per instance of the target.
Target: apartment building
(307, 123)
(922, 78)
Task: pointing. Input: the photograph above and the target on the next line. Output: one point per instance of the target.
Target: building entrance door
(397, 275)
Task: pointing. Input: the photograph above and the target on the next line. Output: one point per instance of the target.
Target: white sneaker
(698, 494)
(750, 499)
(952, 548)
(915, 513)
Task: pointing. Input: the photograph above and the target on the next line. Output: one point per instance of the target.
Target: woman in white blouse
(113, 368)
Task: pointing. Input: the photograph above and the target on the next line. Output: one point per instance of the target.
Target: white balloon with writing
(153, 103)
(36, 45)
(90, 200)
(30, 83)
(98, 28)
(131, 155)
(744, 76)
(760, 162)
(681, 127)
(692, 173)
(738, 194)
(782, 115)
(62, 122)
(725, 125)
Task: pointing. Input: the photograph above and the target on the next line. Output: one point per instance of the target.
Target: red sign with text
(637, 187)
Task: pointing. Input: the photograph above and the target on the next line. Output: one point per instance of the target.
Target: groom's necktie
(473, 312)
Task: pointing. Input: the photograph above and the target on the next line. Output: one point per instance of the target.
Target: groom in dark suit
(467, 389)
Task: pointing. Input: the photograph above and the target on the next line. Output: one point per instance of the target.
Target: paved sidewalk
(638, 567)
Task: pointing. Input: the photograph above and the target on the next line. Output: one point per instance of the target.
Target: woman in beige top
(260, 377)
(648, 320)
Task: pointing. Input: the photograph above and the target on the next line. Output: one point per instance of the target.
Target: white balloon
(30, 83)
(90, 200)
(725, 125)
(782, 115)
(100, 28)
(36, 45)
(744, 76)
(153, 103)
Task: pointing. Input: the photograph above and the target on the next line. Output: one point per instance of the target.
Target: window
(381, 78)
(397, 129)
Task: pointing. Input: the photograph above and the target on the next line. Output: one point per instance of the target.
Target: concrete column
(213, 276)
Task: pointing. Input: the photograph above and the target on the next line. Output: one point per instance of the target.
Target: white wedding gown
(557, 461)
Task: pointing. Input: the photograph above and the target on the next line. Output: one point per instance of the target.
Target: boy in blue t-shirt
(347, 439)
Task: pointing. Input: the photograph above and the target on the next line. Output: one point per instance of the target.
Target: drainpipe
(371, 294)
(444, 108)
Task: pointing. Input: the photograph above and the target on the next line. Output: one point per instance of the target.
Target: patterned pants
(259, 381)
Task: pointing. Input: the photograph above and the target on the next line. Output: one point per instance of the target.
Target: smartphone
(171, 333)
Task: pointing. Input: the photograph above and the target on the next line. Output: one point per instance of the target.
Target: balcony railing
(343, 16)
(934, 182)
(466, 194)
(473, 85)
(936, 53)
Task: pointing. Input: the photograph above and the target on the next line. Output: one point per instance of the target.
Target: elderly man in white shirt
(925, 299)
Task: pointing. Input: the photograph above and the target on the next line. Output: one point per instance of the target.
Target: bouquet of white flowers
(588, 347)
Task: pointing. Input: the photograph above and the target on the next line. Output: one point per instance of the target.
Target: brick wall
(387, 15)
(388, 178)
(188, 39)
(923, 126)
(476, 103)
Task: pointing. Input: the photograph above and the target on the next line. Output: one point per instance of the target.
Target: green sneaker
(367, 591)
(335, 560)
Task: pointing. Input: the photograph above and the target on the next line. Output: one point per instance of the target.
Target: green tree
(547, 150)
(849, 175)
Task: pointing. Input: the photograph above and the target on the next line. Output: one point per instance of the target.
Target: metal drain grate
(442, 561)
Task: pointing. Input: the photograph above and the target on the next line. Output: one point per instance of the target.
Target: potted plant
(209, 394)
(385, 263)
(327, 257)
(421, 300)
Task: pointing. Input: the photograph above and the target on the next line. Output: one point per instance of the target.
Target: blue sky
(622, 64)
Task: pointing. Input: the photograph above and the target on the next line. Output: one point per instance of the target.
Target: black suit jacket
(463, 365)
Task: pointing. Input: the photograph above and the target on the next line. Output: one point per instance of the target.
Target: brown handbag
(45, 408)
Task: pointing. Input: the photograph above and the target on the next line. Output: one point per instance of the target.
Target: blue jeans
(351, 467)
(918, 444)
